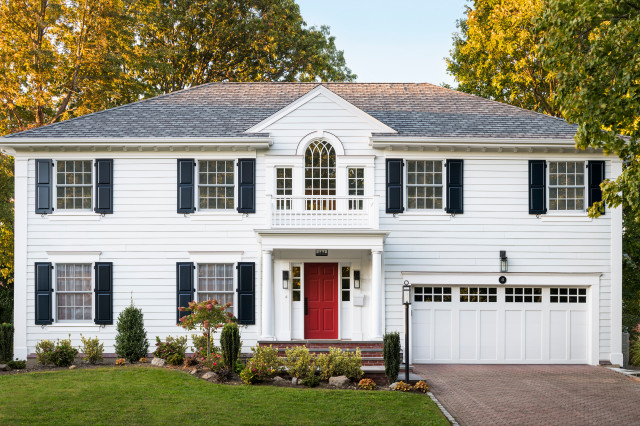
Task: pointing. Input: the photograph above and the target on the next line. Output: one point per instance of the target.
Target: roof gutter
(409, 141)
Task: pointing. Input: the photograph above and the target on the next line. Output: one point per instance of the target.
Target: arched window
(320, 175)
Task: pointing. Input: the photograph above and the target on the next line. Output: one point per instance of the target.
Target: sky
(390, 40)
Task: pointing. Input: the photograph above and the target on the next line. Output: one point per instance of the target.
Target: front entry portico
(321, 301)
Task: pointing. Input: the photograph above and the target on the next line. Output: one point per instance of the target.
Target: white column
(616, 276)
(267, 296)
(377, 306)
(20, 261)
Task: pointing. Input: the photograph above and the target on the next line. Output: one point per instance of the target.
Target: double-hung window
(355, 187)
(424, 185)
(567, 186)
(284, 187)
(74, 295)
(74, 184)
(215, 281)
(216, 184)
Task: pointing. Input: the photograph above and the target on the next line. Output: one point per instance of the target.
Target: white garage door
(500, 324)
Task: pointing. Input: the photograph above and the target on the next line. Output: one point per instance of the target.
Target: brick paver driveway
(534, 394)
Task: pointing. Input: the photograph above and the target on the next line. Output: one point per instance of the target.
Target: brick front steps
(372, 359)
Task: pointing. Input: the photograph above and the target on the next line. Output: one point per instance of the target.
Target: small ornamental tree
(208, 315)
(131, 340)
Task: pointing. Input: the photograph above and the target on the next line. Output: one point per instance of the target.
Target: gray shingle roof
(228, 109)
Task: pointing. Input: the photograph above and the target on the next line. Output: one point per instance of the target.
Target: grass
(162, 396)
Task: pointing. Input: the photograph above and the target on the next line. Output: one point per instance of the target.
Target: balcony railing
(324, 211)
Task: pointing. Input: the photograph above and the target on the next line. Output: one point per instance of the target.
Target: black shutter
(104, 292)
(246, 292)
(455, 179)
(44, 186)
(186, 185)
(246, 185)
(596, 176)
(104, 186)
(44, 293)
(537, 186)
(395, 199)
(184, 286)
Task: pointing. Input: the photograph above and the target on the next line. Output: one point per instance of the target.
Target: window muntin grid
(523, 294)
(566, 186)
(320, 175)
(431, 294)
(74, 184)
(74, 295)
(478, 294)
(355, 184)
(424, 185)
(345, 279)
(215, 281)
(216, 184)
(284, 187)
(568, 295)
(295, 283)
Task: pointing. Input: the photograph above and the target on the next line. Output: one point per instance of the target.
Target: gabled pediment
(376, 126)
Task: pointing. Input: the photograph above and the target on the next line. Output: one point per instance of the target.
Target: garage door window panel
(523, 294)
(478, 294)
(432, 294)
(568, 295)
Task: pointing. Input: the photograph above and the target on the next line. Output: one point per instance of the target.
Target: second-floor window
(566, 185)
(424, 185)
(284, 187)
(74, 185)
(356, 187)
(216, 184)
(320, 175)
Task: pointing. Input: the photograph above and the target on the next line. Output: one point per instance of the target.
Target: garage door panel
(468, 335)
(558, 336)
(422, 330)
(579, 327)
(443, 335)
(488, 335)
(533, 335)
(513, 335)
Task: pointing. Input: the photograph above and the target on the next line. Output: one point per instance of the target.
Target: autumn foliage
(208, 316)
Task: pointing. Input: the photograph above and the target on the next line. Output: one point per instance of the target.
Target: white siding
(145, 237)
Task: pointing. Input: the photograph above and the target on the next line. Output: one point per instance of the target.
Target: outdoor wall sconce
(406, 293)
(356, 279)
(285, 280)
(504, 264)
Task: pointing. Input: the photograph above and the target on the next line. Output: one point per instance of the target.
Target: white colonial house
(308, 206)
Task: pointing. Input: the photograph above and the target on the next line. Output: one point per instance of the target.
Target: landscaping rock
(195, 371)
(279, 381)
(4, 367)
(392, 386)
(71, 367)
(294, 380)
(210, 376)
(158, 362)
(341, 382)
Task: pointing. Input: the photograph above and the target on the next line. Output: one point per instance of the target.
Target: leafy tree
(631, 275)
(6, 238)
(190, 42)
(495, 55)
(591, 47)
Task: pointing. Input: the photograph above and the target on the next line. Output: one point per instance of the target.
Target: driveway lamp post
(406, 299)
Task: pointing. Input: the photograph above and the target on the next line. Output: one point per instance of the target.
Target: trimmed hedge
(6, 342)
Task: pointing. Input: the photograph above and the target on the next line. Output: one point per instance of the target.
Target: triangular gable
(376, 125)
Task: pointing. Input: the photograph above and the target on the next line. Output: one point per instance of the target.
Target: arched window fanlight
(320, 175)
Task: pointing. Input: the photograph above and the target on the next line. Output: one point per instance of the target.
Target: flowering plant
(403, 387)
(264, 364)
(172, 350)
(421, 386)
(143, 360)
(213, 362)
(120, 362)
(208, 315)
(367, 384)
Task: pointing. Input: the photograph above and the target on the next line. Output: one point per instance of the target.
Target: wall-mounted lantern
(504, 264)
(356, 279)
(285, 280)
(406, 293)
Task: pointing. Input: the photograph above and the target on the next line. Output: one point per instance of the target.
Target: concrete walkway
(534, 394)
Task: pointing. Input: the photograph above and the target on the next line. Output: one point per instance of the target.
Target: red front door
(321, 300)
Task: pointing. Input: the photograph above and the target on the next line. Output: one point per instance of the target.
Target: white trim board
(490, 278)
(377, 125)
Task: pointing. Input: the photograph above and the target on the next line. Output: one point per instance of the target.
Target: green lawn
(154, 396)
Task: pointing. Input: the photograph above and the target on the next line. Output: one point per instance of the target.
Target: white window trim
(425, 213)
(234, 275)
(216, 212)
(73, 214)
(54, 302)
(566, 213)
